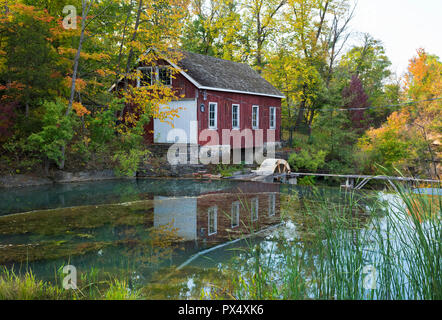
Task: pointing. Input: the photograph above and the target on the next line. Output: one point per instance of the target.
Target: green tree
(30, 68)
(213, 28)
(371, 65)
(57, 131)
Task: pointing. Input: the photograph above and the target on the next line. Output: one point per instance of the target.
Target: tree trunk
(118, 73)
(310, 121)
(46, 166)
(300, 117)
(85, 11)
(131, 52)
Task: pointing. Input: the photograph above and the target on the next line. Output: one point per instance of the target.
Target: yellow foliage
(79, 109)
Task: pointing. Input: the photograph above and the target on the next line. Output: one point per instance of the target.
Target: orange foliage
(79, 109)
(80, 84)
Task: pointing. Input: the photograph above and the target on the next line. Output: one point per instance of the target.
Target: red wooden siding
(245, 101)
(224, 117)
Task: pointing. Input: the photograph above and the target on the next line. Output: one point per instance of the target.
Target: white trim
(272, 204)
(242, 92)
(234, 223)
(155, 75)
(270, 118)
(193, 81)
(158, 68)
(213, 210)
(257, 117)
(237, 117)
(216, 116)
(199, 86)
(139, 79)
(254, 205)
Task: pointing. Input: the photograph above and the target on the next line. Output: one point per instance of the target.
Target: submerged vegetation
(370, 246)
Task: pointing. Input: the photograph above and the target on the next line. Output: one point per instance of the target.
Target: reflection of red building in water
(223, 215)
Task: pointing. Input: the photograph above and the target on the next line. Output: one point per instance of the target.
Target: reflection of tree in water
(188, 283)
(152, 249)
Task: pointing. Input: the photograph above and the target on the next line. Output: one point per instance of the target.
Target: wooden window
(272, 205)
(235, 116)
(146, 77)
(254, 209)
(272, 118)
(213, 110)
(255, 117)
(149, 75)
(165, 75)
(212, 220)
(235, 214)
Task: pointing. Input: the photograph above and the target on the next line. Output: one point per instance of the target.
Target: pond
(156, 232)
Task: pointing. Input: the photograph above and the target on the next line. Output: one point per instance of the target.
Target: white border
(270, 118)
(257, 118)
(216, 116)
(238, 117)
(215, 212)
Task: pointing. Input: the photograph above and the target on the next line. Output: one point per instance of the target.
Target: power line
(340, 108)
(374, 107)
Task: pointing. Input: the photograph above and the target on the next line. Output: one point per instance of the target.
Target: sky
(403, 26)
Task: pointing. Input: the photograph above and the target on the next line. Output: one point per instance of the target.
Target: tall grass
(385, 248)
(26, 287)
(91, 286)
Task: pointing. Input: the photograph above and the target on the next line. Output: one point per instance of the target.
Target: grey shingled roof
(223, 74)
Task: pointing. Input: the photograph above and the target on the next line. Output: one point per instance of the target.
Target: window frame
(238, 126)
(155, 75)
(167, 70)
(215, 127)
(272, 111)
(235, 211)
(151, 75)
(214, 211)
(255, 107)
(272, 205)
(254, 208)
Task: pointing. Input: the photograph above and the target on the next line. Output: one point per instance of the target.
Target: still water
(144, 224)
(150, 228)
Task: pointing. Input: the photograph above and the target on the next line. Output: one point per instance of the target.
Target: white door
(186, 124)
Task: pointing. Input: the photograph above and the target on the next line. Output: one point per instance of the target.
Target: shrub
(57, 131)
(307, 160)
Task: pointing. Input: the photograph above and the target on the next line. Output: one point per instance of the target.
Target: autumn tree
(370, 64)
(30, 70)
(155, 38)
(424, 82)
(314, 35)
(261, 22)
(213, 28)
(79, 114)
(410, 139)
(356, 100)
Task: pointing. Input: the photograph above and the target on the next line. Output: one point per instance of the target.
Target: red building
(217, 94)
